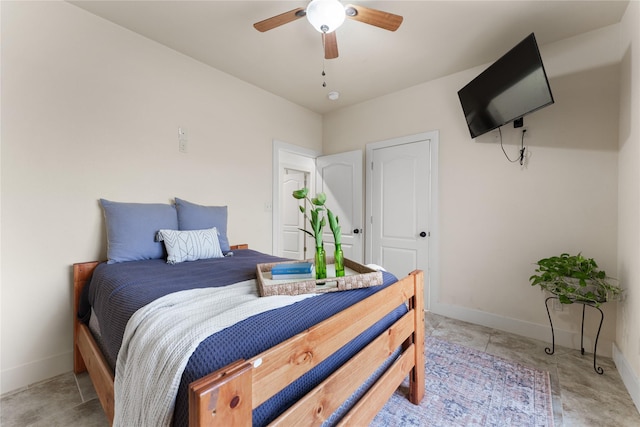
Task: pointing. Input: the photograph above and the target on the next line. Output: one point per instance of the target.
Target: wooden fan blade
(276, 21)
(375, 17)
(330, 45)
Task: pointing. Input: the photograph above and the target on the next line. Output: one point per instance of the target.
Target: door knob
(356, 231)
(423, 234)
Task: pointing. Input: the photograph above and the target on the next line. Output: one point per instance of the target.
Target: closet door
(398, 206)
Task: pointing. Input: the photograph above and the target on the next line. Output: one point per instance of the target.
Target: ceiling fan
(327, 15)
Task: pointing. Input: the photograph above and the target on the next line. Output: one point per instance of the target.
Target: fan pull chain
(324, 80)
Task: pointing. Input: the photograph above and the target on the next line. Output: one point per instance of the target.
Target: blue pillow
(198, 217)
(132, 228)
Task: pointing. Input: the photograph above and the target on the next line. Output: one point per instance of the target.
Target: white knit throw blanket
(160, 338)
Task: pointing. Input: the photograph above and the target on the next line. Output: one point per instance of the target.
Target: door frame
(432, 275)
(280, 151)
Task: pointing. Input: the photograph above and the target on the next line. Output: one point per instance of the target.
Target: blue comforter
(116, 291)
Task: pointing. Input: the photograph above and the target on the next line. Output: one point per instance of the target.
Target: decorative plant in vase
(317, 221)
(334, 224)
(575, 278)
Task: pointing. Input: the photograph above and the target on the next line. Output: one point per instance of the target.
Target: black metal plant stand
(551, 350)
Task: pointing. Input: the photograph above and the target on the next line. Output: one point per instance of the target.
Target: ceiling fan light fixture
(326, 15)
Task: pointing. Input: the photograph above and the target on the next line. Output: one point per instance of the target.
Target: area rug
(467, 387)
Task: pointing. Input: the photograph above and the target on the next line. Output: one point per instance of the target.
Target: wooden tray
(356, 276)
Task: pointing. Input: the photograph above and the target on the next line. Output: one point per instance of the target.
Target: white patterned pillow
(190, 245)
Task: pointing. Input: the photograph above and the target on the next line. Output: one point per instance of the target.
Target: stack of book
(295, 270)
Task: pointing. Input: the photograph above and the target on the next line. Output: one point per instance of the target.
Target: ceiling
(436, 38)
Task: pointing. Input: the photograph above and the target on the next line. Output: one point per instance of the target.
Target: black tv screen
(515, 85)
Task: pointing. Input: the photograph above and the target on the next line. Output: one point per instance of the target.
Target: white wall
(497, 219)
(627, 351)
(91, 110)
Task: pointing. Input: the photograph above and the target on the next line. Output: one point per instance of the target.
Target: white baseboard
(526, 329)
(34, 372)
(629, 378)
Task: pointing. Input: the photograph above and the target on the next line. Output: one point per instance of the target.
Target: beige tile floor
(581, 397)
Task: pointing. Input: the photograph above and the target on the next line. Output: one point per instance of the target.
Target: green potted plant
(317, 222)
(338, 255)
(575, 278)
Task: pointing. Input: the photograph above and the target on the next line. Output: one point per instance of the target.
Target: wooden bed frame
(227, 397)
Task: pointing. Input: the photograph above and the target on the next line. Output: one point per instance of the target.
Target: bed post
(417, 377)
(223, 398)
(81, 275)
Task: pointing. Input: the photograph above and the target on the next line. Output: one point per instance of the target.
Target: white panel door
(339, 176)
(292, 238)
(399, 206)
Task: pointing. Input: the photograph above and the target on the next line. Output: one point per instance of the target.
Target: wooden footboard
(227, 397)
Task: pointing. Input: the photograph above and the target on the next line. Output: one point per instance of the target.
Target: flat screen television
(513, 86)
